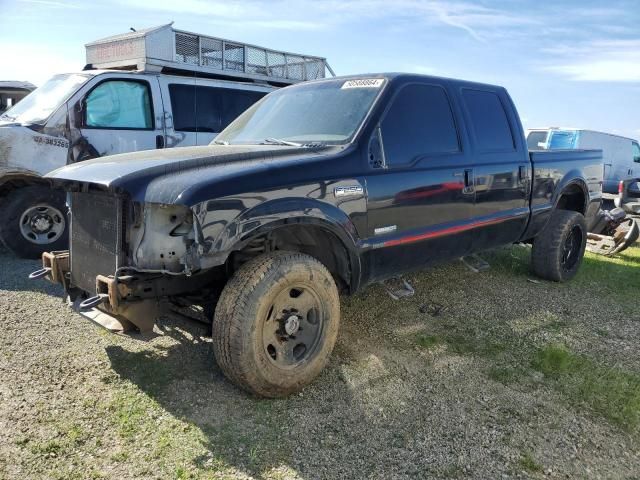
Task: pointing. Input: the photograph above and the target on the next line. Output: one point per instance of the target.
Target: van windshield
(43, 101)
(328, 112)
(563, 139)
(536, 140)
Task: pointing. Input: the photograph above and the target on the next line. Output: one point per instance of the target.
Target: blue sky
(565, 63)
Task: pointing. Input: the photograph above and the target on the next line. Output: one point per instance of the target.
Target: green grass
(528, 463)
(611, 392)
(428, 341)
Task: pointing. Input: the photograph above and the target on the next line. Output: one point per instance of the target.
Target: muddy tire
(34, 220)
(558, 250)
(276, 323)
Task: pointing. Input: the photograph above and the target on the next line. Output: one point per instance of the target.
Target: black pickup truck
(319, 188)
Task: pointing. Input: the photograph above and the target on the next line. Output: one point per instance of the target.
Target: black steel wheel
(34, 220)
(276, 323)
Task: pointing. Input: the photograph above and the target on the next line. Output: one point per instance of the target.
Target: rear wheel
(276, 323)
(558, 250)
(33, 221)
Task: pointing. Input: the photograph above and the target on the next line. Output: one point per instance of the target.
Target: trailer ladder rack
(164, 48)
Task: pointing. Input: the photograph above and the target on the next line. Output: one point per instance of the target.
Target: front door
(420, 198)
(118, 115)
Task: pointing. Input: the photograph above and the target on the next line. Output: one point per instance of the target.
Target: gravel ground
(413, 390)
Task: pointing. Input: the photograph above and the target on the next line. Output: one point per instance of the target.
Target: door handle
(159, 141)
(469, 184)
(523, 173)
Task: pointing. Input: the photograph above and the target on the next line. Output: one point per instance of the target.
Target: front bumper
(110, 307)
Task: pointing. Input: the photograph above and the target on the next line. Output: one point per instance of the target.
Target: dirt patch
(411, 391)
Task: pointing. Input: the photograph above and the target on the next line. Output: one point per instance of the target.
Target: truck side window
(636, 152)
(489, 120)
(119, 104)
(208, 109)
(419, 122)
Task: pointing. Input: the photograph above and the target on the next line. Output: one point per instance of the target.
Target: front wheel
(34, 221)
(276, 323)
(558, 250)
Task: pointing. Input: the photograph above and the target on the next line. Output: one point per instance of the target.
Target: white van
(11, 92)
(140, 98)
(621, 155)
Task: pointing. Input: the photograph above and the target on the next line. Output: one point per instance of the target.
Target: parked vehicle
(621, 155)
(150, 89)
(612, 232)
(628, 197)
(12, 92)
(319, 188)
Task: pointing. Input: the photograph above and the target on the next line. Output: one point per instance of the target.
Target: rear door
(201, 108)
(418, 204)
(179, 98)
(501, 166)
(118, 114)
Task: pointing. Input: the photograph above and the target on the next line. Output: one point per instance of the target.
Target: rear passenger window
(208, 109)
(419, 122)
(488, 120)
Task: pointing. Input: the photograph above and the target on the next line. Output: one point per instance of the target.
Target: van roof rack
(165, 49)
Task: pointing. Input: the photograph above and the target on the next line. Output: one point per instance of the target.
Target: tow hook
(92, 302)
(43, 272)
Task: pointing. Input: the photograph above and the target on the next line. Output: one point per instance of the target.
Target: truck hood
(187, 175)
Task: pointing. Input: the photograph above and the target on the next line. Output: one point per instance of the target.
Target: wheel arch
(13, 179)
(319, 238)
(307, 225)
(572, 195)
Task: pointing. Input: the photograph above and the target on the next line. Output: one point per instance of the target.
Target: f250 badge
(348, 191)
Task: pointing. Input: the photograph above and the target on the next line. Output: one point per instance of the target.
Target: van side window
(419, 122)
(488, 120)
(636, 152)
(119, 104)
(207, 109)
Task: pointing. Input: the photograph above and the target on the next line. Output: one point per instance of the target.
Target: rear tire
(34, 220)
(558, 250)
(276, 323)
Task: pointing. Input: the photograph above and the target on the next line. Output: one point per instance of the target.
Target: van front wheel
(33, 220)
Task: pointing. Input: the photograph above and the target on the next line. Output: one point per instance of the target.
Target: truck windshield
(42, 102)
(328, 112)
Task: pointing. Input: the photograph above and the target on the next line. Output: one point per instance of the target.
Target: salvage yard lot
(483, 375)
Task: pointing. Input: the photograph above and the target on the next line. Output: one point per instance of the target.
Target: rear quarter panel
(553, 172)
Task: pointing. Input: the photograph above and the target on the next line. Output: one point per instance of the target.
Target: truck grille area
(96, 238)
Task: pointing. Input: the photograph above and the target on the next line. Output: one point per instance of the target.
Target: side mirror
(375, 153)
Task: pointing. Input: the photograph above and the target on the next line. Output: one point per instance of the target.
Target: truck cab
(132, 96)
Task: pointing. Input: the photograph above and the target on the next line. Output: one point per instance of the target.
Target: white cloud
(35, 63)
(598, 61)
(477, 21)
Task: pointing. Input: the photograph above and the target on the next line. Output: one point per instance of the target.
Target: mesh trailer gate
(165, 48)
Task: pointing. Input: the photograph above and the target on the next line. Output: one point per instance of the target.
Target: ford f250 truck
(319, 188)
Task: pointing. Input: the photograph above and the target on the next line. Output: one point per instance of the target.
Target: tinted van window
(208, 109)
(489, 120)
(419, 122)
